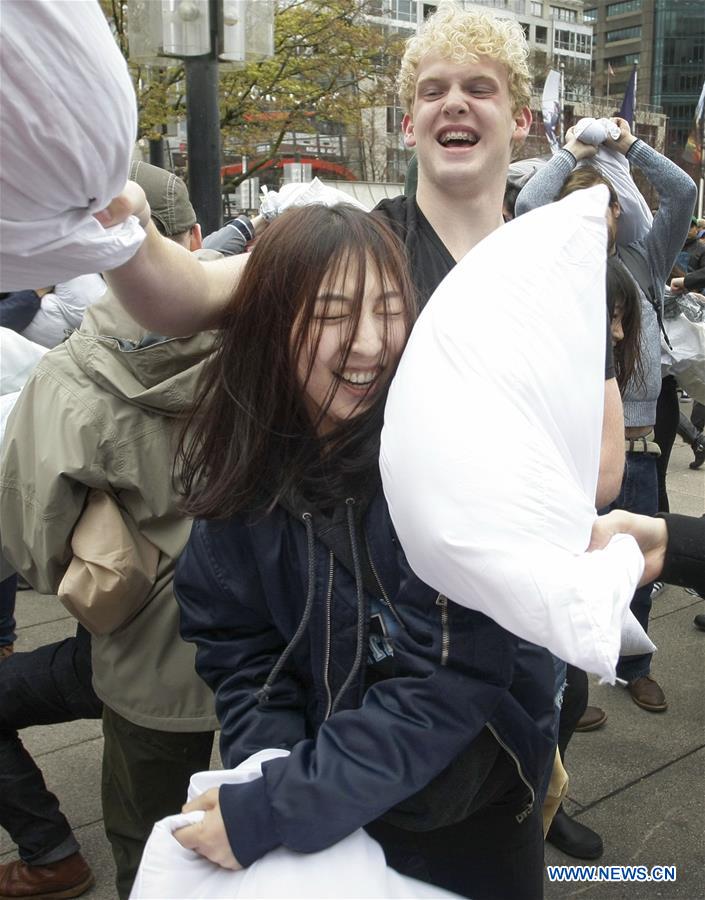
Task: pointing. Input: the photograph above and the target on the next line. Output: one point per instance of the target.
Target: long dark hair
(249, 442)
(622, 296)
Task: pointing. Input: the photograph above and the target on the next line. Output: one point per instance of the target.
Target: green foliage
(329, 64)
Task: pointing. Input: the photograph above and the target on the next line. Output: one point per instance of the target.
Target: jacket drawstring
(350, 502)
(264, 692)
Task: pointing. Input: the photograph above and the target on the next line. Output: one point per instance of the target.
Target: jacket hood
(150, 371)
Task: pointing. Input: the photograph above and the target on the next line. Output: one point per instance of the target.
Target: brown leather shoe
(69, 877)
(6, 650)
(591, 719)
(647, 694)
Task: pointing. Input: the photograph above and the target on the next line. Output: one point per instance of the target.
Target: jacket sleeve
(18, 309)
(364, 761)
(695, 280)
(50, 458)
(545, 185)
(237, 644)
(677, 195)
(685, 553)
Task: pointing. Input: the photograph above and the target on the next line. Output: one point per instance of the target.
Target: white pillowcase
(353, 868)
(69, 121)
(491, 444)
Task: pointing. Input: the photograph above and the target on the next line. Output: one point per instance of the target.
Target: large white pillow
(353, 868)
(491, 443)
(68, 120)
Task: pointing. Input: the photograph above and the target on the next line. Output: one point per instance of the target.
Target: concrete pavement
(639, 781)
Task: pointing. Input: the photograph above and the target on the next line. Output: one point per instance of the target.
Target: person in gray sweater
(649, 262)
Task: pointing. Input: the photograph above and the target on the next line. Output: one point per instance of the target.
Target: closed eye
(482, 88)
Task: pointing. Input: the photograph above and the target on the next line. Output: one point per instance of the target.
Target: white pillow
(63, 308)
(68, 118)
(353, 868)
(491, 443)
(636, 218)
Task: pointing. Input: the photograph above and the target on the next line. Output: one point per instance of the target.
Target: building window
(394, 117)
(563, 14)
(404, 10)
(627, 6)
(564, 39)
(527, 29)
(619, 61)
(590, 15)
(536, 9)
(541, 34)
(623, 34)
(583, 43)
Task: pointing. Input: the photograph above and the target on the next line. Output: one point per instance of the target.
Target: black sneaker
(699, 621)
(698, 451)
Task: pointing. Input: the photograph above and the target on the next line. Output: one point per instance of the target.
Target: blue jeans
(48, 685)
(8, 589)
(560, 670)
(639, 494)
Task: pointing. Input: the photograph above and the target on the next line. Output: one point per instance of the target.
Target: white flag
(551, 107)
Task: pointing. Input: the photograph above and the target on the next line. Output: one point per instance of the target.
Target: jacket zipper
(385, 599)
(445, 628)
(326, 658)
(525, 812)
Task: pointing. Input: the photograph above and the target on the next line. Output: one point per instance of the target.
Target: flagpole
(636, 76)
(700, 123)
(561, 117)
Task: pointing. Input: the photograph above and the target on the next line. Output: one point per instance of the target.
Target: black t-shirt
(429, 258)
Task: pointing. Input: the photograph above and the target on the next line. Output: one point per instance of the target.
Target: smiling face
(462, 124)
(336, 388)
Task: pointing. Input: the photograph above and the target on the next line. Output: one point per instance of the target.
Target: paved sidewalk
(639, 781)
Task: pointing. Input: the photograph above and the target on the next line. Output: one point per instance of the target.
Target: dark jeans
(8, 589)
(145, 778)
(639, 494)
(575, 698)
(48, 685)
(488, 856)
(667, 414)
(697, 415)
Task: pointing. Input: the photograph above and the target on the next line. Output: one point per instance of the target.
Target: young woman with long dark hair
(625, 323)
(404, 713)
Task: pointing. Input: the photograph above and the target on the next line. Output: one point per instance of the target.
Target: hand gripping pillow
(353, 868)
(68, 121)
(491, 443)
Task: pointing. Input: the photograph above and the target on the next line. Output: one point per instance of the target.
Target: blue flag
(629, 102)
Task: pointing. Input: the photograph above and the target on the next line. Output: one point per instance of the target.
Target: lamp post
(202, 33)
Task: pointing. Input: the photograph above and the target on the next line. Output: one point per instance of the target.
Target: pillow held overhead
(69, 121)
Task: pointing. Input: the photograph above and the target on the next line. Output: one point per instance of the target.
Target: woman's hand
(130, 202)
(677, 285)
(625, 139)
(579, 149)
(208, 837)
(651, 535)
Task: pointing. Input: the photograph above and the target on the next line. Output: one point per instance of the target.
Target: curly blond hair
(463, 36)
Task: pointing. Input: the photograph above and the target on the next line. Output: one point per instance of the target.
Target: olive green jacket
(102, 410)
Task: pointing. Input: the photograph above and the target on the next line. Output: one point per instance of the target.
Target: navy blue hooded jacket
(280, 625)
